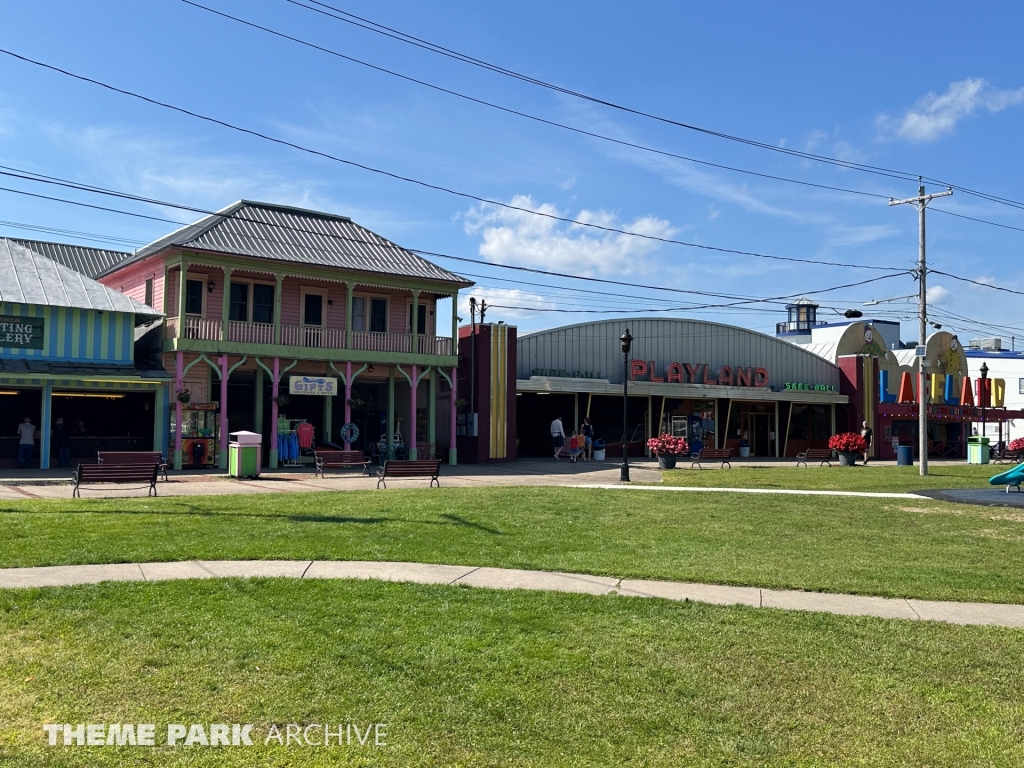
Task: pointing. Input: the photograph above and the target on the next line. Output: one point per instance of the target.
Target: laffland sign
(21, 332)
(699, 373)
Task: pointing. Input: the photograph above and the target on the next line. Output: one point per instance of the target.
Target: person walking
(26, 442)
(557, 435)
(588, 439)
(868, 434)
(62, 442)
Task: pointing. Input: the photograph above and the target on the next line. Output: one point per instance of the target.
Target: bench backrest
(716, 453)
(130, 457)
(92, 472)
(412, 467)
(816, 453)
(343, 457)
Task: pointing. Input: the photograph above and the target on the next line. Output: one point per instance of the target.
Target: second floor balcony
(306, 336)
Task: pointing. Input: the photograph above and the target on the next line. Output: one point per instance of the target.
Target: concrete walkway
(985, 614)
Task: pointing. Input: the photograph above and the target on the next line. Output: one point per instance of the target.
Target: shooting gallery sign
(699, 373)
(21, 332)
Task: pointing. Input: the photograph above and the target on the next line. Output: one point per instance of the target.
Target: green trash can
(978, 450)
(244, 451)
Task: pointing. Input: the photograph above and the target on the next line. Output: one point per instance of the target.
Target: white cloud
(510, 236)
(935, 115)
(938, 295)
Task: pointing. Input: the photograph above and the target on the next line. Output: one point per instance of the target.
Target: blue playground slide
(1013, 478)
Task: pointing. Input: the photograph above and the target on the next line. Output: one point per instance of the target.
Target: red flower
(848, 442)
(667, 445)
(1016, 445)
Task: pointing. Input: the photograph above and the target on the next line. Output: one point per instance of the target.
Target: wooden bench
(133, 457)
(1006, 455)
(822, 455)
(405, 468)
(89, 474)
(712, 454)
(323, 460)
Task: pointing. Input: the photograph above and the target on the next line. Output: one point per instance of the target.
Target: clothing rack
(288, 434)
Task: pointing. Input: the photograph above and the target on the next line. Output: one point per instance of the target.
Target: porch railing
(195, 328)
(251, 333)
(316, 337)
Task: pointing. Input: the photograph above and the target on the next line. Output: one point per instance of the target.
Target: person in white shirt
(26, 442)
(557, 435)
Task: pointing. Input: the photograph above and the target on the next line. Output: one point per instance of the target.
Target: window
(239, 309)
(262, 303)
(1021, 386)
(149, 292)
(194, 297)
(312, 309)
(421, 327)
(358, 313)
(379, 315)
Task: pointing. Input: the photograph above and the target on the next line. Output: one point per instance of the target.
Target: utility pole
(921, 202)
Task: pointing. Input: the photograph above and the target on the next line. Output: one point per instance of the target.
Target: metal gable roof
(29, 277)
(89, 261)
(283, 233)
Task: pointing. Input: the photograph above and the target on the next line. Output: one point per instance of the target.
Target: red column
(452, 452)
(348, 396)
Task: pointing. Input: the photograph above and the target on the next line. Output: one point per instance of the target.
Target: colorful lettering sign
(21, 332)
(312, 385)
(800, 386)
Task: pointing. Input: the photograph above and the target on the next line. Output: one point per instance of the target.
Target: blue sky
(933, 89)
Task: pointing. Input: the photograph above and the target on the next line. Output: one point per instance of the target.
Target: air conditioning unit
(991, 344)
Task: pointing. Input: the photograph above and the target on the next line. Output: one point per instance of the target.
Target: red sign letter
(674, 372)
(743, 377)
(725, 376)
(707, 375)
(654, 372)
(760, 377)
(639, 369)
(691, 371)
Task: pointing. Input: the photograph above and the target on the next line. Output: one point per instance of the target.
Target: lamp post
(626, 341)
(983, 394)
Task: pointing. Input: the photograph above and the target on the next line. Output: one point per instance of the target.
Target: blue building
(73, 349)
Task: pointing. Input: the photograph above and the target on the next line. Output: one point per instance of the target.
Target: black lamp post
(626, 341)
(983, 394)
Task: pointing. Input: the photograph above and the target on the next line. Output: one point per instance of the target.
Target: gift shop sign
(312, 385)
(699, 373)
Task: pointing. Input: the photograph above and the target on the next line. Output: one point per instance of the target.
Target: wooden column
(225, 311)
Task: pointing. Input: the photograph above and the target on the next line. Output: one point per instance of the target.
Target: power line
(73, 233)
(380, 29)
(980, 221)
(526, 115)
(977, 282)
(428, 185)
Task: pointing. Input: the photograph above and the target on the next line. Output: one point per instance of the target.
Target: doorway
(760, 437)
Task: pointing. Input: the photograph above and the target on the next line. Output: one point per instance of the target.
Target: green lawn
(859, 478)
(469, 677)
(897, 547)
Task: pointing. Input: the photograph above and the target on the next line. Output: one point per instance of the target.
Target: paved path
(507, 578)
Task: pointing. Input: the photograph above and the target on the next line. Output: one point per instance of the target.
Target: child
(574, 447)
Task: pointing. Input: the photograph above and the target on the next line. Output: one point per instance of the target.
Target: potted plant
(1016, 445)
(184, 396)
(848, 445)
(667, 448)
(282, 400)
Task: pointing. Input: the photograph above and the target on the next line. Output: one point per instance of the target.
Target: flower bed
(667, 445)
(848, 442)
(1016, 445)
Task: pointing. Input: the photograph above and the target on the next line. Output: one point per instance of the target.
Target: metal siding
(595, 347)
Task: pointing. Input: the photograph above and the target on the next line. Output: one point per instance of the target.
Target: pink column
(273, 412)
(223, 458)
(412, 408)
(348, 396)
(179, 382)
(452, 455)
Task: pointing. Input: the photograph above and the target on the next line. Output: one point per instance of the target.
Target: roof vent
(991, 344)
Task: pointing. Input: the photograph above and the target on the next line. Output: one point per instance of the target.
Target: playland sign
(699, 373)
